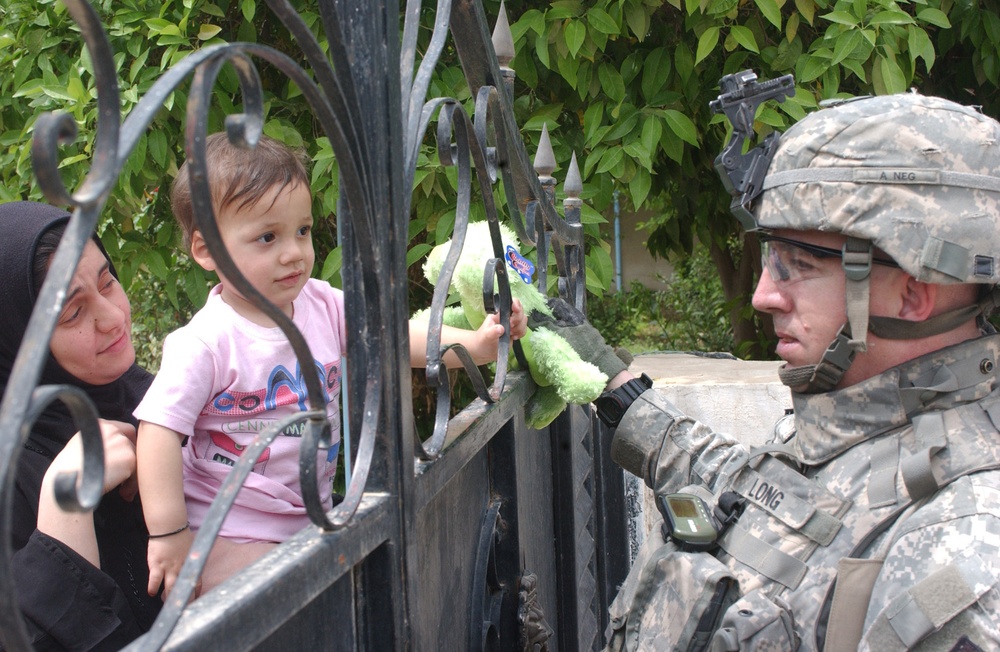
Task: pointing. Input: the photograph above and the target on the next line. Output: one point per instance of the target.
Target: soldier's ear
(918, 299)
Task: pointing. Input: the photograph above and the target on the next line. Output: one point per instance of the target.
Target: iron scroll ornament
(115, 143)
(336, 100)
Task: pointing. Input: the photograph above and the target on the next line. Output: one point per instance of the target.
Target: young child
(231, 372)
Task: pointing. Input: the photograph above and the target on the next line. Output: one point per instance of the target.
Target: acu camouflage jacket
(900, 471)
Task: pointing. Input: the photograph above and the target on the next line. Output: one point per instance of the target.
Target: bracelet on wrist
(170, 534)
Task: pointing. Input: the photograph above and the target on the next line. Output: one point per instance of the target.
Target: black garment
(68, 603)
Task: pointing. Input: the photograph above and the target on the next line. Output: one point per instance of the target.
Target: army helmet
(917, 177)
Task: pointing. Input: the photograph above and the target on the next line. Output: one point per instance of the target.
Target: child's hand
(166, 555)
(518, 320)
(486, 340)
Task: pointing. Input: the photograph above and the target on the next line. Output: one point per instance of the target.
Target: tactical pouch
(756, 622)
(674, 603)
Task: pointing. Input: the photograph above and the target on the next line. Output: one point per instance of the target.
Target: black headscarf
(22, 224)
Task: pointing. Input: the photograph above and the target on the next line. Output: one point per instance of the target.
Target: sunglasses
(790, 261)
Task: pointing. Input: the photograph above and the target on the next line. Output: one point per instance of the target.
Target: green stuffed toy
(561, 375)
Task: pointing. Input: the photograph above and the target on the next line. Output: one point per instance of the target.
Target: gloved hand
(586, 340)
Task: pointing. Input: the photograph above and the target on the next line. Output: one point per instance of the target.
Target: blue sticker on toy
(520, 264)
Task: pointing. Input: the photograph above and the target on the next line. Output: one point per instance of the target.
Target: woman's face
(93, 336)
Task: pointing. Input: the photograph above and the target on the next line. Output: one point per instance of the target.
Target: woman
(81, 578)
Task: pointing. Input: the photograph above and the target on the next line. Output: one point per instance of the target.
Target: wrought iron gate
(506, 537)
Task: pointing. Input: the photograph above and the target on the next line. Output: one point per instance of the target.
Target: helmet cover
(917, 176)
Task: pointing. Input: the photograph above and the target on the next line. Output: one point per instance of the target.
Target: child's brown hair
(238, 176)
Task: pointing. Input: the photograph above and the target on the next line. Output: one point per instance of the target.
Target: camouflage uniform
(874, 514)
(851, 447)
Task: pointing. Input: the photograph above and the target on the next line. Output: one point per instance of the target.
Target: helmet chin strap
(856, 260)
(824, 375)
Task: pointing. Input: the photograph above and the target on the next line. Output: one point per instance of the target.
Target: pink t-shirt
(222, 380)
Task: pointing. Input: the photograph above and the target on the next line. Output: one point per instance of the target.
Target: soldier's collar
(830, 423)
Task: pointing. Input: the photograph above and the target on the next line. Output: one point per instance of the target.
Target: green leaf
(991, 22)
(655, 72)
(332, 265)
(57, 92)
(542, 50)
(158, 147)
(638, 21)
(569, 69)
(611, 82)
(602, 21)
(249, 9)
(612, 157)
(195, 287)
(745, 38)
(417, 253)
(592, 121)
(937, 17)
(682, 126)
(638, 152)
(892, 75)
(206, 32)
(845, 45)
(155, 263)
(684, 61)
(575, 34)
(841, 18)
(600, 269)
(919, 45)
(652, 129)
(535, 20)
(639, 187)
(771, 11)
(544, 115)
(896, 17)
(706, 43)
(626, 123)
(810, 68)
(213, 10)
(588, 215)
(807, 8)
(593, 158)
(157, 25)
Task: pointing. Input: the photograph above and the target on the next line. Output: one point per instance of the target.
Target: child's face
(271, 244)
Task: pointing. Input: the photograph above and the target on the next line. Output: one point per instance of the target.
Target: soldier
(872, 519)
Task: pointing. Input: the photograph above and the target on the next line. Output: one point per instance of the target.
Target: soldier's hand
(586, 340)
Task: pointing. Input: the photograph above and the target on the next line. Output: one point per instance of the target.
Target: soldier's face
(803, 291)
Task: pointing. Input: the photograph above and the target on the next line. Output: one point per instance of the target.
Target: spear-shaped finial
(574, 182)
(503, 40)
(545, 158)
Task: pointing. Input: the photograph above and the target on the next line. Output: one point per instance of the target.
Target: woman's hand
(76, 529)
(119, 456)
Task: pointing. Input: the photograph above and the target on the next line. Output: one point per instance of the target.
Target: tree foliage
(627, 84)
